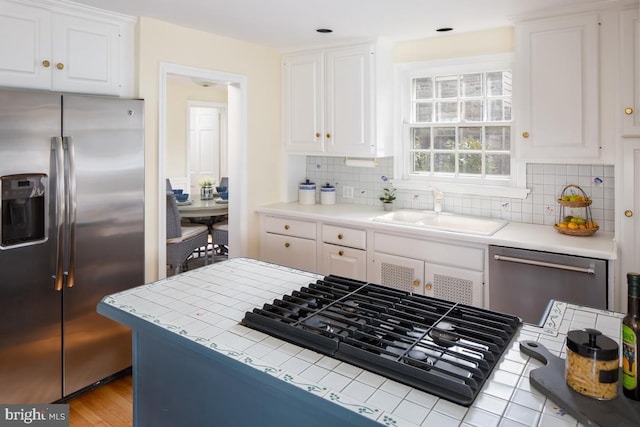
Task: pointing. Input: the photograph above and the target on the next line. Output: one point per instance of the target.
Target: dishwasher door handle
(590, 270)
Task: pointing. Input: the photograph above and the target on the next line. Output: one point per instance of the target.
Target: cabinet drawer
(344, 236)
(290, 227)
(290, 251)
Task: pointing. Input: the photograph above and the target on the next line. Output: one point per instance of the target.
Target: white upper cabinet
(64, 50)
(332, 102)
(304, 103)
(630, 71)
(557, 84)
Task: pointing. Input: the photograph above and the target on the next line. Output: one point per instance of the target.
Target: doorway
(236, 154)
(207, 147)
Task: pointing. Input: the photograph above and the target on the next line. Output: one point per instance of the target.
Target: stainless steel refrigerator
(72, 186)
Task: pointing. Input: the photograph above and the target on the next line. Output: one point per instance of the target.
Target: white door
(630, 223)
(25, 48)
(204, 144)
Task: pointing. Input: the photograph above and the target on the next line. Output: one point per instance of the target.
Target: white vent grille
(397, 276)
(453, 289)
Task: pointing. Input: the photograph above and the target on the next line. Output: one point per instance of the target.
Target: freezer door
(104, 140)
(30, 307)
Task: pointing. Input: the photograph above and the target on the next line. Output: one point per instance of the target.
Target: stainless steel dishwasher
(522, 282)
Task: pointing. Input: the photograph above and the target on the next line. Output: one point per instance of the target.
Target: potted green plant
(387, 198)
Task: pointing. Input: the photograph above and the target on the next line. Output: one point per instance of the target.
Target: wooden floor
(110, 405)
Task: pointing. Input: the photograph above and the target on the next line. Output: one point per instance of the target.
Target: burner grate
(441, 347)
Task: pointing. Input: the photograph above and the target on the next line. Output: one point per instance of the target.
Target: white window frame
(404, 75)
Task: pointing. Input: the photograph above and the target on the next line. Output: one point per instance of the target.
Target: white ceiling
(291, 24)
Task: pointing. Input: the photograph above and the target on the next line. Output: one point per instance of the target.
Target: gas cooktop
(441, 347)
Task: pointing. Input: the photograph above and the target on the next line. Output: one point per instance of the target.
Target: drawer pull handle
(46, 63)
(286, 227)
(339, 236)
(428, 286)
(416, 283)
(286, 245)
(340, 253)
(628, 111)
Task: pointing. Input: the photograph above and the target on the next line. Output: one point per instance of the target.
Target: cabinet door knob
(328, 136)
(286, 245)
(416, 283)
(286, 227)
(525, 134)
(46, 63)
(340, 253)
(428, 286)
(628, 111)
(60, 66)
(628, 213)
(317, 134)
(339, 236)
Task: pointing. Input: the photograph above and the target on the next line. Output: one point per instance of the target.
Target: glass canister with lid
(592, 365)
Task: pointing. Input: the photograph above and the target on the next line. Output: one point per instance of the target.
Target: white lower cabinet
(344, 252)
(289, 242)
(343, 261)
(434, 269)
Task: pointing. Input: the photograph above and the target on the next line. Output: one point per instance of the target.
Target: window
(457, 122)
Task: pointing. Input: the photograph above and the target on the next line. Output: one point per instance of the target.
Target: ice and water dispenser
(24, 212)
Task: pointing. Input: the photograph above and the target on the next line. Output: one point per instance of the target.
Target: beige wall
(499, 40)
(162, 42)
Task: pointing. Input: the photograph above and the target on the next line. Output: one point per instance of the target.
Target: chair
(220, 239)
(182, 239)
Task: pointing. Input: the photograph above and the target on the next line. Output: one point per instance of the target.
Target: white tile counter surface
(207, 304)
(526, 236)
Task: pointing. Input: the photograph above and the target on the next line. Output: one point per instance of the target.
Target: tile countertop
(205, 306)
(526, 236)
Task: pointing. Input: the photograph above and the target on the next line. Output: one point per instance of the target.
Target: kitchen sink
(443, 221)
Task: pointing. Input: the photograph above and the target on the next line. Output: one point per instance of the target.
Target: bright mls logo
(36, 415)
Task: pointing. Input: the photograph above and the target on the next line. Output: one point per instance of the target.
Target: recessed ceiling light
(444, 29)
(324, 30)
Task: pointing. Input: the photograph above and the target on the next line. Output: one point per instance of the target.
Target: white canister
(327, 194)
(307, 193)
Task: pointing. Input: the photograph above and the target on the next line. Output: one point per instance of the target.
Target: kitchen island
(195, 364)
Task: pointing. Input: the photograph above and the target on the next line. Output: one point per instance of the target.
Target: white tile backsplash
(546, 182)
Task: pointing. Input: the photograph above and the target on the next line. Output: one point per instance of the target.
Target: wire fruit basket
(573, 197)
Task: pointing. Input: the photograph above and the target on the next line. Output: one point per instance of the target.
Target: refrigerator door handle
(71, 194)
(56, 146)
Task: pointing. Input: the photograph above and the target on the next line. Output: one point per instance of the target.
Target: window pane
(421, 138)
(499, 83)
(421, 161)
(424, 112)
(499, 110)
(423, 88)
(472, 111)
(498, 138)
(470, 139)
(446, 112)
(471, 85)
(470, 163)
(498, 164)
(447, 87)
(444, 138)
(444, 162)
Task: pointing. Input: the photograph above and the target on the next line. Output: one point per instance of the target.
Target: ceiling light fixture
(444, 29)
(324, 30)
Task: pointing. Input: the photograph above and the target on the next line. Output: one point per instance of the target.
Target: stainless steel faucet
(438, 199)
